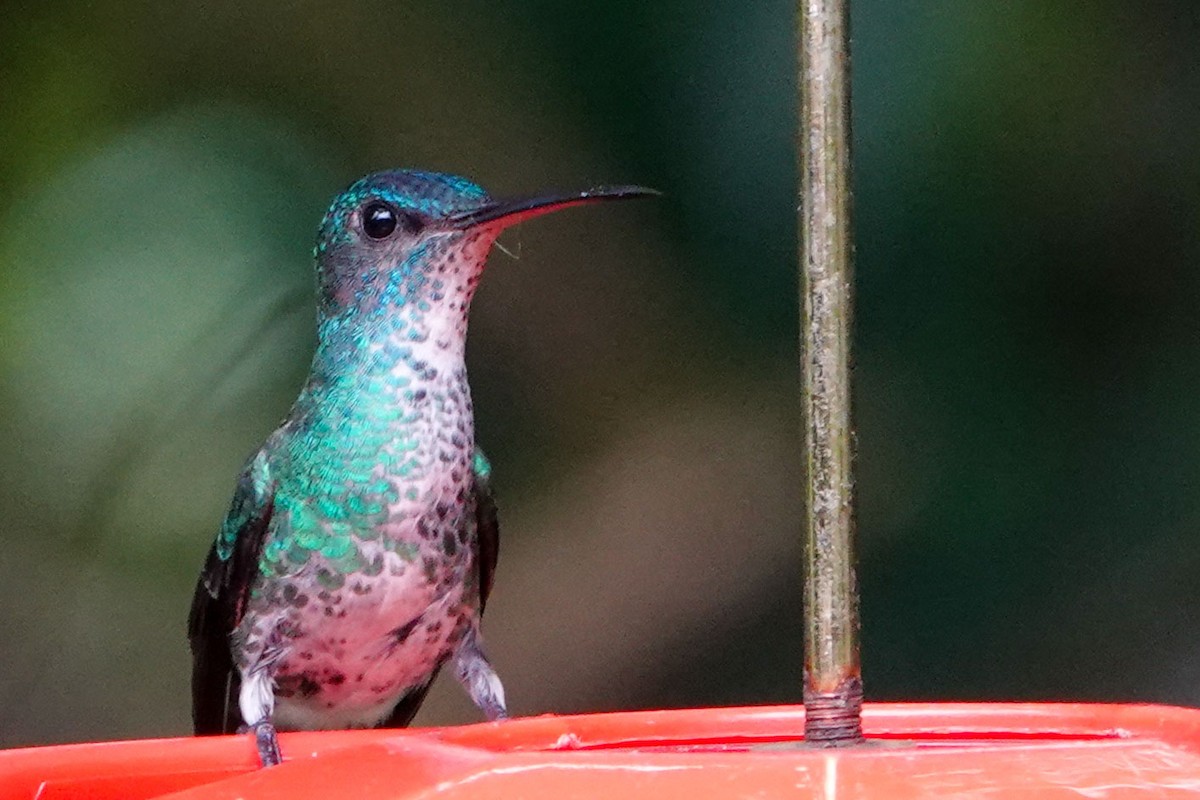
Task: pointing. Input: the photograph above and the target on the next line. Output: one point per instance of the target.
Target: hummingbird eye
(378, 220)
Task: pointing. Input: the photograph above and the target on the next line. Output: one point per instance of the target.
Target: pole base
(834, 719)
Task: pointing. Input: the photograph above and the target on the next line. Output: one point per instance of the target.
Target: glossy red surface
(913, 750)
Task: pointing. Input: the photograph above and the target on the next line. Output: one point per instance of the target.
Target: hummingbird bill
(359, 549)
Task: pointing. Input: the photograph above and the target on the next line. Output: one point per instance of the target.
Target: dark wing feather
(409, 705)
(217, 608)
(487, 526)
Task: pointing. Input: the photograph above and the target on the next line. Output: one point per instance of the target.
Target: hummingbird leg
(476, 675)
(267, 742)
(257, 702)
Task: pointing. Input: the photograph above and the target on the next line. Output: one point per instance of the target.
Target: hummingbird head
(408, 245)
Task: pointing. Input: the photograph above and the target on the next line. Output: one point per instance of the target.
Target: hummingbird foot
(475, 673)
(267, 742)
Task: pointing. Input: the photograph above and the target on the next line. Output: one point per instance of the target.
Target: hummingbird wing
(487, 527)
(220, 601)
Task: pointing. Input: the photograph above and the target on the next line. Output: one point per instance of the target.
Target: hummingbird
(359, 549)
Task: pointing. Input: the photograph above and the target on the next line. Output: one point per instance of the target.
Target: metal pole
(832, 670)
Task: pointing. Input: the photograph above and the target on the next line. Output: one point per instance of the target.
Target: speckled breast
(366, 576)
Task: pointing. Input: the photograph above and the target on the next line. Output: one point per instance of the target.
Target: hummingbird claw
(268, 744)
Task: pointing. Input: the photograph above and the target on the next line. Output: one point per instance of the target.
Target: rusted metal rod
(832, 668)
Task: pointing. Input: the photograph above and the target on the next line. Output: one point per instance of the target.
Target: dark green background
(1028, 353)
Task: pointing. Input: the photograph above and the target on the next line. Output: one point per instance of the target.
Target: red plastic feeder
(912, 750)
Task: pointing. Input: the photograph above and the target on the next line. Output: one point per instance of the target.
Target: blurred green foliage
(1028, 355)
